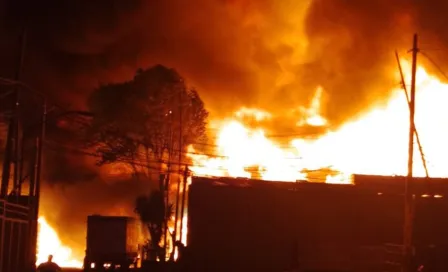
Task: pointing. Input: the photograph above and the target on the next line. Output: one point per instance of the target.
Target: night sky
(236, 51)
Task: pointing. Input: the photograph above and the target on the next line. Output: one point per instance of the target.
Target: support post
(18, 160)
(34, 213)
(12, 140)
(417, 137)
(17, 141)
(40, 157)
(408, 211)
(179, 183)
(6, 173)
(166, 189)
(184, 200)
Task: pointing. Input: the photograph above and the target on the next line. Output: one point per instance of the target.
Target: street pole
(12, 153)
(417, 137)
(6, 173)
(179, 182)
(34, 216)
(167, 188)
(408, 210)
(18, 160)
(184, 201)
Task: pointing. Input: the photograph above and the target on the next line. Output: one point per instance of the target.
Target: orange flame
(48, 243)
(374, 143)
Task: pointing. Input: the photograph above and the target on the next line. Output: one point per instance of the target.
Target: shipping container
(111, 240)
(247, 225)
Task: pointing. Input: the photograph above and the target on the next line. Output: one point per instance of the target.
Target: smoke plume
(269, 53)
(265, 53)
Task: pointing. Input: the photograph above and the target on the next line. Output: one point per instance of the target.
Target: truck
(112, 243)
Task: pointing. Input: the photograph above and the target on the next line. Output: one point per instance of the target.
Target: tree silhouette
(140, 122)
(153, 214)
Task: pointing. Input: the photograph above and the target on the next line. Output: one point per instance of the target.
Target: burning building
(272, 57)
(250, 225)
(371, 143)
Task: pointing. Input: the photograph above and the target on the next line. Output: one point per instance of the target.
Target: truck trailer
(112, 242)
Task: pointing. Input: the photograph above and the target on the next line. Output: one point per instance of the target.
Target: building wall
(266, 226)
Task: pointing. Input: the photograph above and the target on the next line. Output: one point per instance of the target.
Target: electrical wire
(214, 148)
(435, 64)
(75, 117)
(146, 163)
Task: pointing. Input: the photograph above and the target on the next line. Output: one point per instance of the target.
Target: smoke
(266, 53)
(353, 43)
(254, 53)
(228, 49)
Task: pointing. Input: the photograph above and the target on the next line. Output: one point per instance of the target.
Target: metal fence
(394, 258)
(14, 237)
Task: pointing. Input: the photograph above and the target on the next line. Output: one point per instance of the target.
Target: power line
(435, 64)
(153, 161)
(145, 165)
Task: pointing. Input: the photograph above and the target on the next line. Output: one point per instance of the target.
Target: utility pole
(408, 210)
(184, 200)
(35, 184)
(6, 173)
(177, 208)
(12, 153)
(18, 140)
(417, 137)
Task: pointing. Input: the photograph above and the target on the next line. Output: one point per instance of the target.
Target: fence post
(19, 245)
(10, 240)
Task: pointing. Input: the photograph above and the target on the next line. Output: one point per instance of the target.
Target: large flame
(48, 243)
(374, 143)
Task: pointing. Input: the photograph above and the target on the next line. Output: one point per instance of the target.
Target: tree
(153, 214)
(141, 122)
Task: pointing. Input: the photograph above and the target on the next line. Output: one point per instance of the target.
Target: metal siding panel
(253, 226)
(106, 237)
(112, 237)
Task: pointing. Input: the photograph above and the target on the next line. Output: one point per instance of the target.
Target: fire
(375, 142)
(48, 243)
(312, 114)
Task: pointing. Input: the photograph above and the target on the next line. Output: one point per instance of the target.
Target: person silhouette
(49, 266)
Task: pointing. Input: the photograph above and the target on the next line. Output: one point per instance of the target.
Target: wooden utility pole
(166, 188)
(179, 183)
(18, 160)
(12, 153)
(35, 184)
(184, 200)
(417, 137)
(408, 210)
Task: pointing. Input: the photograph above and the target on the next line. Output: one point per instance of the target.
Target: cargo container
(247, 225)
(112, 241)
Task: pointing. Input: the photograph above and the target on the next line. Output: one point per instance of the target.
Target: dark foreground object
(111, 240)
(17, 234)
(247, 225)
